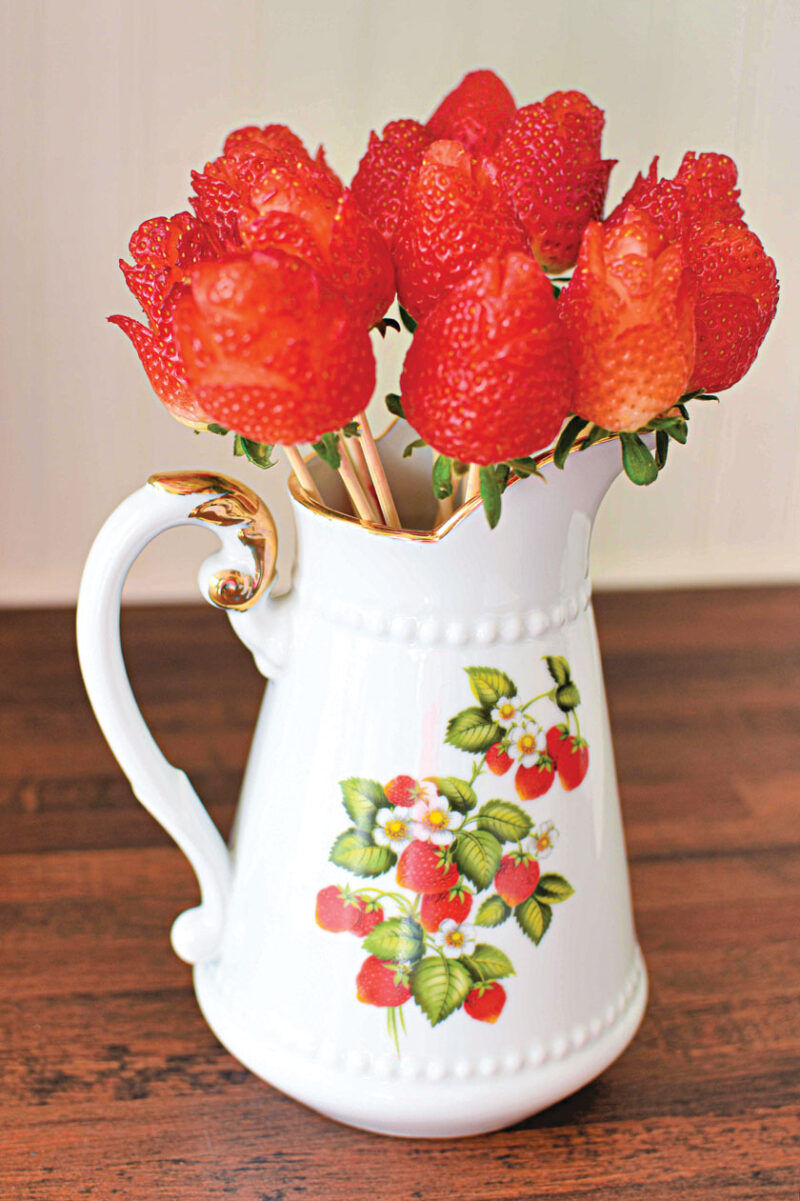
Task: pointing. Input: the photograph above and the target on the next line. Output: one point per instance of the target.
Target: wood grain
(113, 1086)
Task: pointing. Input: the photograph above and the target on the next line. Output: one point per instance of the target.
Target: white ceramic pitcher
(362, 945)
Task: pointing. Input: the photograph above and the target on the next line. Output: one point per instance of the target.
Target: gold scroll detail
(232, 504)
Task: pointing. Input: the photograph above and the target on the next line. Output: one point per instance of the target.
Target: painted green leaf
(439, 986)
(477, 854)
(568, 697)
(492, 912)
(534, 917)
(362, 799)
(553, 888)
(355, 851)
(459, 793)
(398, 938)
(489, 685)
(558, 667)
(471, 730)
(488, 963)
(505, 820)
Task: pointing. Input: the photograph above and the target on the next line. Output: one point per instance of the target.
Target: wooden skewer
(362, 502)
(360, 464)
(472, 486)
(304, 477)
(377, 473)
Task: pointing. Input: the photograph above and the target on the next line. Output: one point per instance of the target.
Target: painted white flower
(454, 940)
(431, 817)
(505, 713)
(392, 828)
(525, 745)
(542, 840)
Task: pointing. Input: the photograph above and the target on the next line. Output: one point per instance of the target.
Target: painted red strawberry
(436, 906)
(485, 1002)
(402, 790)
(476, 113)
(555, 737)
(424, 868)
(370, 915)
(573, 762)
(497, 760)
(517, 877)
(380, 982)
(488, 375)
(337, 909)
(452, 217)
(532, 782)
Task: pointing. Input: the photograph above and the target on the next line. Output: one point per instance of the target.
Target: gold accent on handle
(232, 504)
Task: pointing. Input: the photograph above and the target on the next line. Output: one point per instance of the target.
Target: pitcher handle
(233, 578)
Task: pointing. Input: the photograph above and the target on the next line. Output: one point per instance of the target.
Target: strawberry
(370, 915)
(497, 760)
(380, 982)
(337, 909)
(534, 781)
(488, 376)
(425, 868)
(453, 215)
(516, 877)
(436, 906)
(475, 113)
(402, 790)
(549, 162)
(379, 182)
(628, 312)
(485, 1002)
(573, 762)
(555, 737)
(270, 351)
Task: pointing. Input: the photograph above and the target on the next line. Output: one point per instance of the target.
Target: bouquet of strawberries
(259, 305)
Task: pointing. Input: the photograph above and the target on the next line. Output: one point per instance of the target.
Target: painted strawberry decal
(460, 866)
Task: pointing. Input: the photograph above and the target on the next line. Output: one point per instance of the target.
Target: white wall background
(107, 105)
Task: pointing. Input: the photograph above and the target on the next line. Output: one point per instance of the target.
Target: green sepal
(639, 464)
(328, 450)
(257, 453)
(524, 467)
(213, 428)
(408, 320)
(567, 439)
(417, 444)
(395, 405)
(662, 448)
(351, 430)
(491, 494)
(596, 434)
(442, 477)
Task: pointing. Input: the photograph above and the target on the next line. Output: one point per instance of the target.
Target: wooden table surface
(113, 1086)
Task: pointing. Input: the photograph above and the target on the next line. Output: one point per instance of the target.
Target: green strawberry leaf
(477, 854)
(362, 799)
(355, 851)
(472, 730)
(220, 430)
(459, 793)
(400, 939)
(491, 493)
(524, 467)
(558, 667)
(488, 963)
(417, 444)
(639, 464)
(442, 477)
(567, 439)
(662, 449)
(492, 912)
(567, 697)
(489, 685)
(328, 450)
(505, 820)
(439, 986)
(533, 918)
(553, 888)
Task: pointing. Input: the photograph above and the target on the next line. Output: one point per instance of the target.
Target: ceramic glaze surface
(368, 657)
